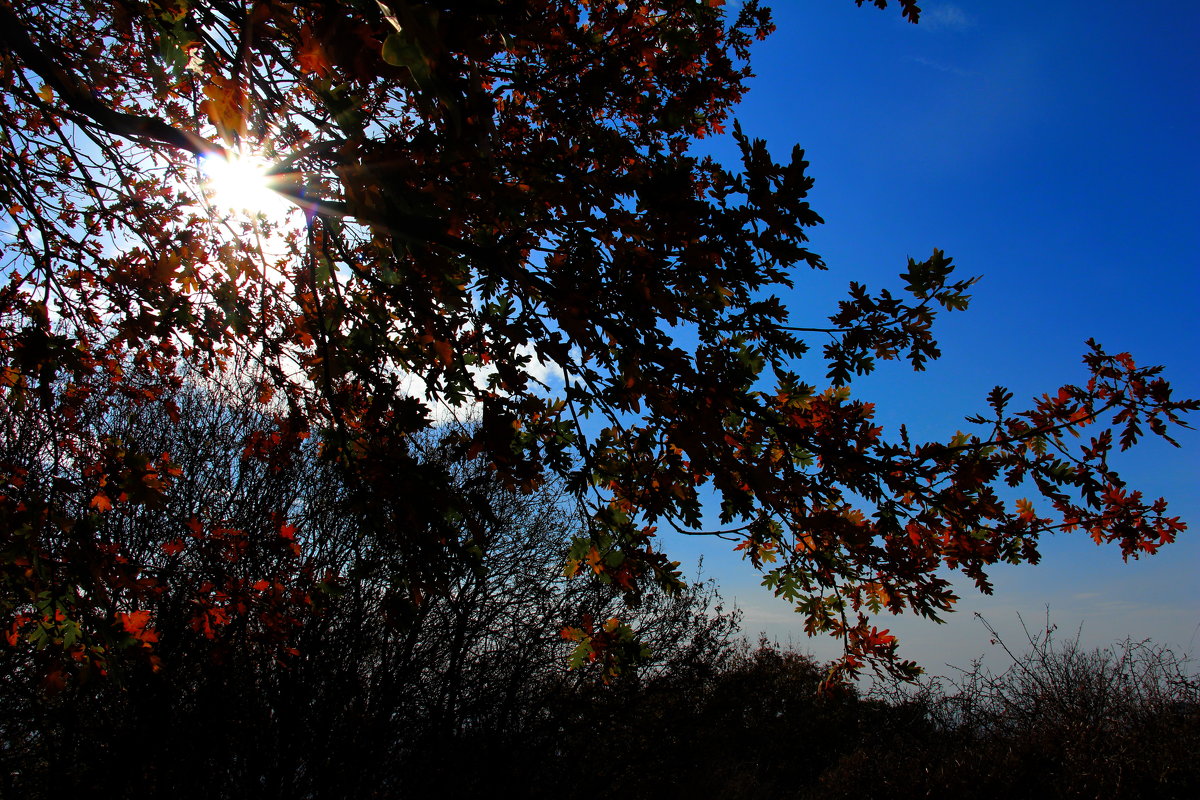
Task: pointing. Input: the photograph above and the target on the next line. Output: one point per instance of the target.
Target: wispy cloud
(940, 67)
(946, 17)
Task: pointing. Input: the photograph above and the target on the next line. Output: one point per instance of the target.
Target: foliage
(305, 666)
(492, 192)
(326, 674)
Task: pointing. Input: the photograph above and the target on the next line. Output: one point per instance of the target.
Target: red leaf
(135, 622)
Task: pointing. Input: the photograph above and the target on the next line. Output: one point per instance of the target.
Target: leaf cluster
(500, 216)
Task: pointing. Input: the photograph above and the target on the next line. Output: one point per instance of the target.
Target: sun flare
(240, 183)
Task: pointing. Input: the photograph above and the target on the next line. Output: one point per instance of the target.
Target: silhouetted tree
(297, 658)
(486, 194)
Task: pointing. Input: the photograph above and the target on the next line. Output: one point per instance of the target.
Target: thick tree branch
(80, 99)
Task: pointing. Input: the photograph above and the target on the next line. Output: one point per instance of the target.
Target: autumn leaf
(444, 350)
(55, 681)
(595, 560)
(310, 55)
(876, 638)
(135, 624)
(1026, 510)
(225, 104)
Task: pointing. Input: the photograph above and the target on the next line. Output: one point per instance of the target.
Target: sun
(240, 183)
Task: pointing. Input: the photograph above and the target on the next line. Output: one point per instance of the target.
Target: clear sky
(1052, 148)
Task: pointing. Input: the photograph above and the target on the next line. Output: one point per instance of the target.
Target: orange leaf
(593, 558)
(135, 623)
(444, 352)
(310, 55)
(55, 681)
(1026, 509)
(225, 105)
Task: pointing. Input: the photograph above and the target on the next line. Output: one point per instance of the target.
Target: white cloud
(549, 373)
(442, 413)
(946, 17)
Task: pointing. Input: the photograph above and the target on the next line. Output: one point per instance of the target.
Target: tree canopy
(500, 215)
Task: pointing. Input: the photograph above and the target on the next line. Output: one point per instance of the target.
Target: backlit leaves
(226, 105)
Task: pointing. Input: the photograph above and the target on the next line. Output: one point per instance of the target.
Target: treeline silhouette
(301, 656)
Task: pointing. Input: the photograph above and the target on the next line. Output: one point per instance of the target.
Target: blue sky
(1051, 148)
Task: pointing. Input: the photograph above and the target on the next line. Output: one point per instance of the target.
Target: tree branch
(80, 99)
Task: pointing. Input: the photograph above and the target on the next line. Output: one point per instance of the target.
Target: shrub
(1059, 721)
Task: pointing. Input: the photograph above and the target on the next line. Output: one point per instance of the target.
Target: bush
(297, 653)
(1060, 721)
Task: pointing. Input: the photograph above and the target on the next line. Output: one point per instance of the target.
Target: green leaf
(400, 51)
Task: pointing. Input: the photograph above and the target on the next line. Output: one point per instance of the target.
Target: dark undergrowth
(723, 722)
